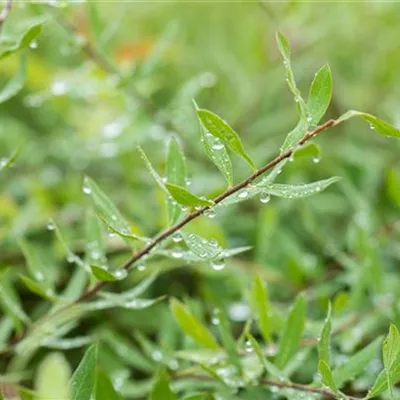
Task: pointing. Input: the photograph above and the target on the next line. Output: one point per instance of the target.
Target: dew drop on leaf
(218, 265)
(50, 225)
(315, 160)
(177, 253)
(210, 213)
(177, 237)
(264, 197)
(243, 194)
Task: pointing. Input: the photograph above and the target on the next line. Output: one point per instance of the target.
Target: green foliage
(94, 254)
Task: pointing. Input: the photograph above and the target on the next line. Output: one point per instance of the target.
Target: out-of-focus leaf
(320, 94)
(391, 351)
(52, 378)
(10, 301)
(356, 364)
(299, 191)
(7, 162)
(134, 304)
(292, 331)
(18, 36)
(32, 286)
(95, 244)
(324, 345)
(326, 375)
(127, 351)
(161, 389)
(95, 23)
(260, 303)
(191, 325)
(105, 207)
(223, 132)
(15, 84)
(177, 175)
(82, 383)
(185, 198)
(38, 267)
(201, 247)
(269, 367)
(375, 123)
(76, 285)
(102, 273)
(104, 387)
(310, 150)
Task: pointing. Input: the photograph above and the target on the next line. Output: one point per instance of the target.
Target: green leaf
(309, 150)
(32, 286)
(152, 171)
(261, 306)
(324, 345)
(320, 94)
(202, 248)
(102, 273)
(294, 136)
(176, 174)
(356, 364)
(223, 132)
(292, 331)
(284, 48)
(191, 325)
(94, 236)
(381, 383)
(7, 162)
(161, 389)
(269, 367)
(17, 36)
(83, 380)
(52, 378)
(298, 191)
(105, 207)
(391, 351)
(95, 23)
(326, 375)
(104, 387)
(219, 155)
(185, 198)
(10, 301)
(16, 83)
(375, 123)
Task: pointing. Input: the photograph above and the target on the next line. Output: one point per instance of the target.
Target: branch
(190, 217)
(4, 14)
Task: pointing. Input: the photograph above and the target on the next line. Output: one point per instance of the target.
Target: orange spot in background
(133, 50)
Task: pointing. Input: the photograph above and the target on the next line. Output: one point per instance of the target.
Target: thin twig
(229, 192)
(5, 12)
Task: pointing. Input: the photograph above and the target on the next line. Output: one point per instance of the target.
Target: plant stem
(5, 12)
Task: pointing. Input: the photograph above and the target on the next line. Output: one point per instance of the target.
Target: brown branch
(5, 12)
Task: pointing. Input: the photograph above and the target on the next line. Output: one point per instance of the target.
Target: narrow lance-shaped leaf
(223, 132)
(355, 365)
(391, 350)
(324, 345)
(380, 126)
(292, 331)
(7, 162)
(381, 383)
(52, 378)
(191, 325)
(105, 207)
(326, 375)
(300, 190)
(102, 273)
(16, 83)
(320, 95)
(177, 175)
(261, 306)
(203, 248)
(32, 286)
(83, 380)
(185, 198)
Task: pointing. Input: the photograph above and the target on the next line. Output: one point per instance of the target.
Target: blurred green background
(76, 119)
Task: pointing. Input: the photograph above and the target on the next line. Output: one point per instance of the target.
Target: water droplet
(218, 265)
(239, 311)
(210, 213)
(177, 237)
(315, 160)
(243, 194)
(184, 208)
(50, 225)
(141, 267)
(58, 88)
(291, 158)
(371, 127)
(120, 273)
(3, 162)
(157, 355)
(215, 317)
(71, 258)
(39, 276)
(309, 118)
(33, 44)
(177, 253)
(217, 145)
(86, 188)
(248, 347)
(297, 99)
(188, 182)
(265, 197)
(164, 179)
(173, 364)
